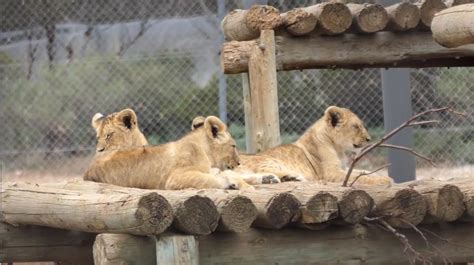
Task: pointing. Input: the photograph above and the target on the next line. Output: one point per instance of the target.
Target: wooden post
(263, 97)
(124, 249)
(177, 250)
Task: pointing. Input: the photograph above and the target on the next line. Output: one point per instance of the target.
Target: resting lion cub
(117, 130)
(185, 163)
(318, 155)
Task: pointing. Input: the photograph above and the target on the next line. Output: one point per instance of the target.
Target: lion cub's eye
(107, 137)
(234, 146)
(355, 126)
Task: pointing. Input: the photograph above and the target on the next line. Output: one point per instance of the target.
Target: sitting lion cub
(185, 163)
(117, 130)
(318, 155)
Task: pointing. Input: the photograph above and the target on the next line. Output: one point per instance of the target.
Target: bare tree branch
(424, 122)
(409, 150)
(363, 173)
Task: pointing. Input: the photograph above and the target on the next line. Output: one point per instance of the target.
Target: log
(35, 243)
(124, 249)
(299, 22)
(139, 214)
(184, 203)
(383, 49)
(274, 210)
(454, 27)
(402, 16)
(399, 206)
(237, 212)
(451, 3)
(357, 244)
(264, 116)
(333, 17)
(444, 202)
(368, 18)
(177, 249)
(247, 24)
(428, 8)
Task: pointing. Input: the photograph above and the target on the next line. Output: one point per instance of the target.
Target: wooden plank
(35, 243)
(379, 50)
(177, 250)
(336, 245)
(264, 115)
(124, 249)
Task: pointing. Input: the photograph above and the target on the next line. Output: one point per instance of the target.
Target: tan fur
(185, 163)
(319, 154)
(117, 130)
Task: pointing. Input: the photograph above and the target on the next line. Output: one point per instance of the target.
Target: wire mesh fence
(63, 61)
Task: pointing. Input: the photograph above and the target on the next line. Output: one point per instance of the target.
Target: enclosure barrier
(167, 221)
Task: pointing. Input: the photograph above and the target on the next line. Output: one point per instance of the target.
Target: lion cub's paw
(237, 183)
(270, 179)
(293, 178)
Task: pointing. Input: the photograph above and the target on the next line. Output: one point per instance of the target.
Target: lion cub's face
(117, 130)
(346, 129)
(222, 146)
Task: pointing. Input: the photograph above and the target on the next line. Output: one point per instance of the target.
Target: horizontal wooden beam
(350, 51)
(334, 245)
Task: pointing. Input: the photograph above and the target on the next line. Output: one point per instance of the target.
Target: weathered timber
(264, 116)
(428, 8)
(237, 212)
(368, 18)
(454, 27)
(334, 245)
(247, 24)
(403, 16)
(399, 206)
(124, 249)
(274, 210)
(333, 17)
(450, 3)
(382, 49)
(35, 243)
(299, 22)
(185, 203)
(177, 249)
(140, 214)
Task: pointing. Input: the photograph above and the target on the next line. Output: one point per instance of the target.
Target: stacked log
(368, 18)
(403, 16)
(444, 203)
(428, 8)
(454, 27)
(299, 21)
(333, 17)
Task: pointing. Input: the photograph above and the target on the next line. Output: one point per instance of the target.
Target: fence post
(220, 75)
(397, 109)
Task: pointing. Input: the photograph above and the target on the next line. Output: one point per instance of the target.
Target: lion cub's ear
(96, 120)
(198, 122)
(334, 115)
(127, 118)
(214, 127)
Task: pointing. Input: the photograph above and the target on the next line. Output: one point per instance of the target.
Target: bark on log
(333, 17)
(247, 24)
(384, 49)
(444, 202)
(139, 214)
(403, 16)
(35, 243)
(397, 205)
(428, 8)
(368, 18)
(110, 249)
(185, 203)
(299, 22)
(454, 27)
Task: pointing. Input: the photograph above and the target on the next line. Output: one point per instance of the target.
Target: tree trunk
(454, 27)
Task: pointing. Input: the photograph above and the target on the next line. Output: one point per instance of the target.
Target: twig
(409, 150)
(408, 123)
(363, 173)
(424, 122)
(445, 239)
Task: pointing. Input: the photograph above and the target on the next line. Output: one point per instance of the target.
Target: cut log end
(447, 204)
(280, 210)
(319, 208)
(403, 16)
(372, 18)
(237, 214)
(196, 215)
(354, 206)
(260, 17)
(155, 213)
(335, 18)
(428, 9)
(299, 22)
(407, 207)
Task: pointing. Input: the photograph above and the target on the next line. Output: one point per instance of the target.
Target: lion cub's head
(117, 130)
(222, 148)
(345, 129)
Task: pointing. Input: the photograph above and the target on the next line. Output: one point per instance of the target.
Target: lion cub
(185, 163)
(117, 130)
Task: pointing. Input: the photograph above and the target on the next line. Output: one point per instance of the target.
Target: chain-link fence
(63, 61)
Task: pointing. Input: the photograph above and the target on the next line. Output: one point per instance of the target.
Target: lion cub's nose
(367, 139)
